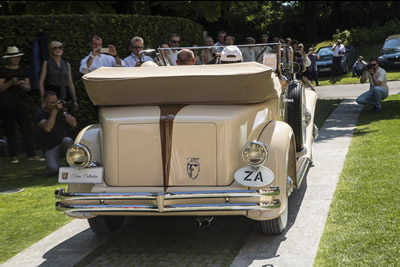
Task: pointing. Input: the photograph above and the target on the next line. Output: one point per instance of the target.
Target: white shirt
(339, 49)
(380, 76)
(101, 60)
(218, 49)
(360, 64)
(174, 56)
(132, 59)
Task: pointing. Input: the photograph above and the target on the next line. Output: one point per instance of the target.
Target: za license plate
(68, 175)
(254, 177)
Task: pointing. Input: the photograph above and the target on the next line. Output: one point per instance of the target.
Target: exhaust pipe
(203, 222)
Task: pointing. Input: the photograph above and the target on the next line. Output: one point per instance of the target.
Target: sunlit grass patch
(27, 216)
(363, 225)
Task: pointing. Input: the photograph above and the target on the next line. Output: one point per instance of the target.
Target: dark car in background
(324, 63)
(389, 57)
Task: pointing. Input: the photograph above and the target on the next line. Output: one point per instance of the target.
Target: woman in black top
(14, 82)
(56, 76)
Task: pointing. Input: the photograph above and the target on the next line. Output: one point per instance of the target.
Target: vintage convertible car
(203, 141)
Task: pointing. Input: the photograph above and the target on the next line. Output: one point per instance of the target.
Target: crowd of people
(54, 118)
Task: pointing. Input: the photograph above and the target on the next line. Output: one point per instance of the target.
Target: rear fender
(90, 136)
(278, 136)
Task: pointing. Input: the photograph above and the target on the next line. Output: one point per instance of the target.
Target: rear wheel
(296, 114)
(276, 226)
(104, 225)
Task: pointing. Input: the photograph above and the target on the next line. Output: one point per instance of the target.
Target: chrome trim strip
(302, 167)
(170, 208)
(273, 191)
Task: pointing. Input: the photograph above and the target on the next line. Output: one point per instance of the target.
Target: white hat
(12, 51)
(231, 53)
(149, 64)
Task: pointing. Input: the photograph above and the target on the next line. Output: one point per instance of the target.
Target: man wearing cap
(231, 54)
(136, 58)
(96, 59)
(14, 82)
(185, 57)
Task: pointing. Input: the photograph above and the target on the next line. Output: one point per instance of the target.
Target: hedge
(74, 32)
(372, 35)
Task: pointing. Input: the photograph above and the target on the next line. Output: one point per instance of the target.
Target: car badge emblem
(193, 167)
(64, 176)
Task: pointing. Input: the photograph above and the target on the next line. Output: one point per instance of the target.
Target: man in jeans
(378, 89)
(54, 123)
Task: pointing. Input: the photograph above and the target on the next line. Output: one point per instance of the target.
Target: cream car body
(169, 142)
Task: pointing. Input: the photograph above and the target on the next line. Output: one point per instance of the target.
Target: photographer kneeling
(54, 123)
(378, 89)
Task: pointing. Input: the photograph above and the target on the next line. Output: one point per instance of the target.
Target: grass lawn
(363, 225)
(28, 216)
(347, 79)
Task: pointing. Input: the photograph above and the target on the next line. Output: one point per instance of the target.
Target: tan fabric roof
(237, 83)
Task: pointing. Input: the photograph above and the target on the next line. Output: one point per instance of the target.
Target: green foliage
(345, 36)
(74, 31)
(374, 34)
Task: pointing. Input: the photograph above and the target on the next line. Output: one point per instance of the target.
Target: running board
(302, 166)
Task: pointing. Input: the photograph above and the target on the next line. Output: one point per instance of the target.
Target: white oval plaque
(254, 177)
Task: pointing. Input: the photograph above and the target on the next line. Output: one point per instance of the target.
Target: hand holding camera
(58, 105)
(17, 81)
(370, 68)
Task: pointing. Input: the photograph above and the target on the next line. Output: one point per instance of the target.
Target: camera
(66, 104)
(370, 66)
(105, 50)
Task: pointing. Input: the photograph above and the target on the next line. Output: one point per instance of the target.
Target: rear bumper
(169, 202)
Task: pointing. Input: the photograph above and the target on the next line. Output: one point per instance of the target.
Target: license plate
(254, 177)
(69, 175)
(397, 62)
(325, 69)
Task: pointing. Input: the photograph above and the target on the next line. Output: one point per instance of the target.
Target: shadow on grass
(390, 111)
(24, 174)
(342, 121)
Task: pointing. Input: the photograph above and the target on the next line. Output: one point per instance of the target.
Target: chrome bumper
(159, 198)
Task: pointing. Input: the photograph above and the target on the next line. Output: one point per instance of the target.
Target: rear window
(394, 43)
(326, 51)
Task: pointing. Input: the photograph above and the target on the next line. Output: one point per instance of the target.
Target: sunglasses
(175, 41)
(137, 47)
(57, 47)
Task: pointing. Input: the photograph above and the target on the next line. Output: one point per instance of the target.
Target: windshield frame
(278, 54)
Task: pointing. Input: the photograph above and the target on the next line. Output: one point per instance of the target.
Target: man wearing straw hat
(14, 82)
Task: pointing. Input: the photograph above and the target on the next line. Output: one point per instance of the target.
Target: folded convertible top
(238, 83)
